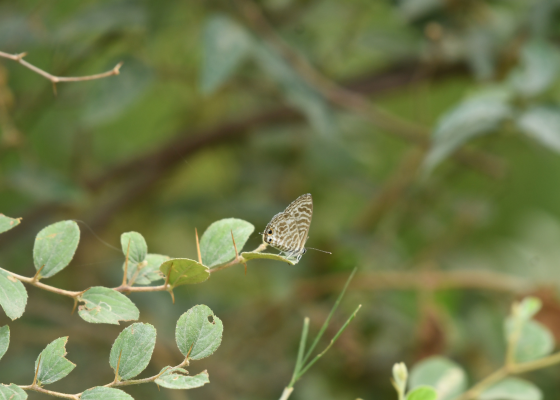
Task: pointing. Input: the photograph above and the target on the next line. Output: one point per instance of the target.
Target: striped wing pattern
(288, 230)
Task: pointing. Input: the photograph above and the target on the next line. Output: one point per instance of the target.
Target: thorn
(118, 365)
(75, 305)
(37, 371)
(172, 296)
(198, 247)
(117, 69)
(236, 252)
(20, 56)
(36, 276)
(126, 265)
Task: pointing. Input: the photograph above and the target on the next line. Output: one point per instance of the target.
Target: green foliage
(7, 223)
(105, 393)
(106, 306)
(52, 365)
(147, 271)
(133, 350)
(177, 378)
(135, 246)
(4, 340)
(422, 393)
(255, 255)
(534, 341)
(55, 246)
(216, 244)
(446, 377)
(542, 124)
(13, 296)
(512, 389)
(198, 333)
(182, 271)
(12, 392)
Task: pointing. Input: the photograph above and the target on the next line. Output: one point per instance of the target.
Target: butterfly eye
(270, 231)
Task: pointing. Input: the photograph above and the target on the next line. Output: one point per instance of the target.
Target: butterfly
(288, 230)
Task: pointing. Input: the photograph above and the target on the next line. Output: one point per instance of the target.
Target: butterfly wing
(299, 214)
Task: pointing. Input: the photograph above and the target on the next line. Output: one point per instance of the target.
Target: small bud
(400, 376)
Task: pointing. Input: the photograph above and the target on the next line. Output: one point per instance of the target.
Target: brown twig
(56, 79)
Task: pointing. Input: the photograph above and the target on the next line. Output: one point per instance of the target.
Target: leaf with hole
(178, 378)
(12, 392)
(422, 393)
(543, 125)
(512, 389)
(226, 44)
(134, 347)
(55, 246)
(198, 332)
(216, 244)
(138, 247)
(255, 255)
(105, 393)
(147, 271)
(4, 340)
(52, 363)
(183, 271)
(446, 377)
(7, 223)
(106, 306)
(13, 296)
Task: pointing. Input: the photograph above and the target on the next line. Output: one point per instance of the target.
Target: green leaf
(254, 255)
(134, 346)
(446, 377)
(4, 340)
(105, 393)
(55, 246)
(475, 116)
(198, 332)
(540, 63)
(535, 340)
(177, 378)
(138, 247)
(12, 392)
(13, 296)
(53, 366)
(512, 389)
(147, 271)
(106, 306)
(183, 271)
(543, 125)
(7, 223)
(422, 393)
(226, 45)
(216, 245)
(527, 308)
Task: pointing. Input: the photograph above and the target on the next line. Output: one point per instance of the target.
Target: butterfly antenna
(322, 251)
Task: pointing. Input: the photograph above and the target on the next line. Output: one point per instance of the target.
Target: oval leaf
(226, 44)
(198, 333)
(255, 255)
(177, 378)
(105, 393)
(138, 247)
(147, 271)
(106, 306)
(543, 125)
(422, 393)
(13, 296)
(134, 346)
(216, 244)
(7, 223)
(55, 246)
(53, 366)
(534, 341)
(446, 377)
(183, 271)
(473, 117)
(4, 340)
(512, 389)
(12, 392)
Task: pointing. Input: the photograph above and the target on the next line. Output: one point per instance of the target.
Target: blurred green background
(214, 115)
